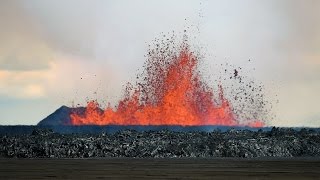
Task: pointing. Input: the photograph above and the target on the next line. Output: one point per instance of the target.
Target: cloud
(24, 55)
(73, 79)
(22, 47)
(297, 101)
(67, 78)
(24, 84)
(303, 27)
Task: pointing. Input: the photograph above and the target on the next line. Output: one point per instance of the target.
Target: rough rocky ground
(279, 142)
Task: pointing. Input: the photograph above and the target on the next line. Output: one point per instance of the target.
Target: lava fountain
(170, 92)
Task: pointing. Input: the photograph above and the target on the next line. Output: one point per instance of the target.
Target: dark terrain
(160, 168)
(279, 153)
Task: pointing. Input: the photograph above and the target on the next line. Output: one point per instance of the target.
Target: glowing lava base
(60, 122)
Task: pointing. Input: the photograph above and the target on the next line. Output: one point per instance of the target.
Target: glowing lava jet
(171, 93)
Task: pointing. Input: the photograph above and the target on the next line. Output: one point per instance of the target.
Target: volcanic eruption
(169, 91)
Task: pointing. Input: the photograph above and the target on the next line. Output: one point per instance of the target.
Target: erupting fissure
(170, 93)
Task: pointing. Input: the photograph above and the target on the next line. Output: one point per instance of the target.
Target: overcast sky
(60, 52)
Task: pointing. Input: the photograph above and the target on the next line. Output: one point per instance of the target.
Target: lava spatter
(169, 92)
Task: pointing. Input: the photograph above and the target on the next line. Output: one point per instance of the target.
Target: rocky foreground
(278, 142)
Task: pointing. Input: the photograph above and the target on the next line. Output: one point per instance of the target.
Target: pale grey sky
(47, 46)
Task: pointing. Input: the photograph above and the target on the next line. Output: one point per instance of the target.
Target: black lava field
(36, 142)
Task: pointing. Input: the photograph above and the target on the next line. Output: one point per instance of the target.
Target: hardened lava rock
(279, 142)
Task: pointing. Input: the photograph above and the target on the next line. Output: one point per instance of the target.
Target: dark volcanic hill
(61, 116)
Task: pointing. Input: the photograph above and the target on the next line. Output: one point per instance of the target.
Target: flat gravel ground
(130, 168)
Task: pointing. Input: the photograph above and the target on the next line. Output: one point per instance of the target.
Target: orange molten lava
(172, 95)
